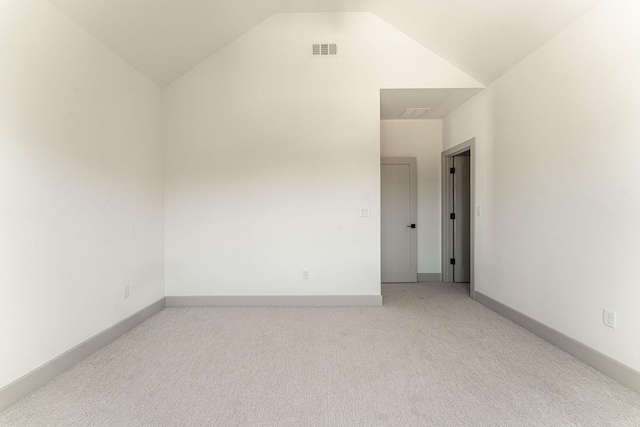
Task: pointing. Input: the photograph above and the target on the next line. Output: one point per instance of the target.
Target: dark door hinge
(452, 170)
(452, 261)
(452, 216)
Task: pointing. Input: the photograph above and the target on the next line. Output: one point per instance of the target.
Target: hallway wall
(558, 172)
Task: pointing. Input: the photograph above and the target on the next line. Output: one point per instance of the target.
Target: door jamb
(447, 202)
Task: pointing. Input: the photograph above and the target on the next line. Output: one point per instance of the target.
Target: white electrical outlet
(364, 212)
(609, 318)
(305, 274)
(126, 291)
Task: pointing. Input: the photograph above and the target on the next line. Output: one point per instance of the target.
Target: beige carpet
(430, 356)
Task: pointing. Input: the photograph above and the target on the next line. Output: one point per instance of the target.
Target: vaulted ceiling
(163, 39)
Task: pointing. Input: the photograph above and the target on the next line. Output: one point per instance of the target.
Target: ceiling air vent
(414, 113)
(324, 50)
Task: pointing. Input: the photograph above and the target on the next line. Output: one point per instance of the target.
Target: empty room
(319, 212)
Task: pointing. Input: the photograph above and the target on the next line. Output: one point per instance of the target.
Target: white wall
(80, 187)
(421, 139)
(559, 165)
(270, 154)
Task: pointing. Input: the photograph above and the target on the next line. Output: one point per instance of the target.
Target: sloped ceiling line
(164, 39)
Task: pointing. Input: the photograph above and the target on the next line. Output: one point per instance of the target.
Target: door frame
(413, 208)
(447, 203)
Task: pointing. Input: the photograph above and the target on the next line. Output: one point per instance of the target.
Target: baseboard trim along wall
(35, 379)
(276, 301)
(429, 277)
(616, 370)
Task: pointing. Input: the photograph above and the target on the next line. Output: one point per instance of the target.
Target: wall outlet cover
(609, 318)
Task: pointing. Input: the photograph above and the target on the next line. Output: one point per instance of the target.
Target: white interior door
(398, 219)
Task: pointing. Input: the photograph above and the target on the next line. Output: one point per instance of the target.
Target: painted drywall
(559, 166)
(80, 187)
(270, 154)
(421, 139)
(474, 119)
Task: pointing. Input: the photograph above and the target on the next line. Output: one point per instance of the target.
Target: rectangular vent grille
(414, 113)
(324, 49)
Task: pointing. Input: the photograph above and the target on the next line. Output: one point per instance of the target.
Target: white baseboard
(35, 379)
(276, 301)
(429, 277)
(616, 370)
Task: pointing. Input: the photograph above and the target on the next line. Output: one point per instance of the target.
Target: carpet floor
(430, 356)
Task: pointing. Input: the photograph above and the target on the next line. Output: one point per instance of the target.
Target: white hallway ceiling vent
(320, 50)
(414, 113)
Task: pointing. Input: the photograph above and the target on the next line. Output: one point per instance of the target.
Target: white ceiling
(440, 102)
(163, 39)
